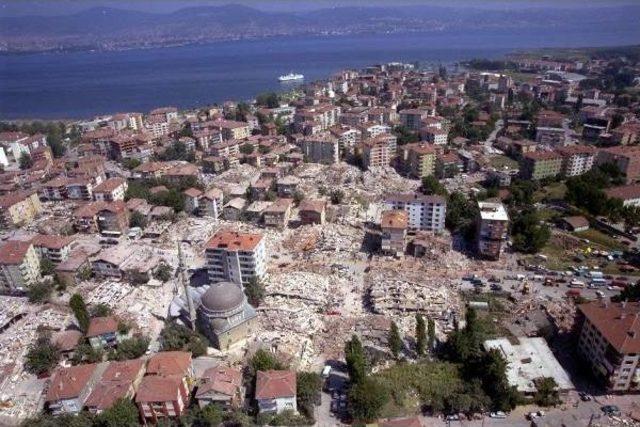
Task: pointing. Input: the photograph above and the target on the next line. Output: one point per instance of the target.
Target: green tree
(431, 333)
(367, 398)
(39, 293)
(137, 219)
(209, 416)
(131, 348)
(356, 360)
(309, 386)
(163, 273)
(123, 413)
(25, 161)
(42, 355)
(79, 309)
(100, 310)
(298, 196)
(247, 149)
(546, 392)
(130, 164)
(254, 291)
(336, 196)
(268, 99)
(431, 185)
(421, 335)
(263, 360)
(85, 353)
(528, 234)
(47, 267)
(395, 340)
(178, 337)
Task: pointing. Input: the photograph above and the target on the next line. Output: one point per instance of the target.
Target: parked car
(453, 417)
(496, 287)
(498, 414)
(585, 397)
(611, 410)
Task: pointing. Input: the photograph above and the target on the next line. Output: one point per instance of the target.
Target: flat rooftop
(493, 211)
(531, 358)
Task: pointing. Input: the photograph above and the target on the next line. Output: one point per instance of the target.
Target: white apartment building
(577, 159)
(110, 190)
(235, 257)
(323, 148)
(425, 212)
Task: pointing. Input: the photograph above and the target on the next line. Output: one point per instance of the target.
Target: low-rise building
(19, 266)
(610, 342)
(394, 226)
(276, 391)
(110, 190)
(54, 248)
(69, 388)
(553, 136)
(312, 211)
(287, 186)
(278, 213)
(629, 194)
(119, 381)
(220, 386)
(626, 158)
(103, 332)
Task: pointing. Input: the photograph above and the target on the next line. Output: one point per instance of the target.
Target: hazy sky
(63, 7)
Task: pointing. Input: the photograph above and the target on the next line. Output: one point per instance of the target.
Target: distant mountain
(109, 28)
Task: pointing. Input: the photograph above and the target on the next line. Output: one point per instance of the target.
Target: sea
(80, 85)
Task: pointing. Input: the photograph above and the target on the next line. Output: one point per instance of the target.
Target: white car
(498, 414)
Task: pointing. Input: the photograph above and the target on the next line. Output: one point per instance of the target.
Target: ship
(290, 77)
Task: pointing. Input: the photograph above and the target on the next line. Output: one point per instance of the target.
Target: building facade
(235, 257)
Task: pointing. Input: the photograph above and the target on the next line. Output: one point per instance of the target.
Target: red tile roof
(275, 384)
(109, 185)
(67, 340)
(52, 242)
(158, 389)
(234, 241)
(619, 323)
(102, 325)
(168, 363)
(68, 383)
(13, 252)
(625, 192)
(222, 380)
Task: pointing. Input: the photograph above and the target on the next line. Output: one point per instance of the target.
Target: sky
(64, 7)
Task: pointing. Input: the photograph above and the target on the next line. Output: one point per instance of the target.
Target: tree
(25, 161)
(629, 293)
(163, 273)
(405, 136)
(101, 310)
(42, 355)
(431, 333)
(546, 392)
(85, 353)
(268, 99)
(367, 398)
(336, 196)
(131, 348)
(178, 337)
(254, 291)
(356, 360)
(421, 335)
(209, 416)
(263, 360)
(395, 340)
(137, 219)
(130, 164)
(431, 185)
(246, 149)
(528, 234)
(40, 292)
(298, 196)
(309, 385)
(79, 309)
(47, 267)
(123, 413)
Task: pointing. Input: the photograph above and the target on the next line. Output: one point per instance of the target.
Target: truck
(598, 282)
(595, 274)
(576, 284)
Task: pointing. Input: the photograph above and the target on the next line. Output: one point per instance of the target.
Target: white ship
(290, 77)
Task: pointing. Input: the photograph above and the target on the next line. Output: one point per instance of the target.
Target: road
(488, 143)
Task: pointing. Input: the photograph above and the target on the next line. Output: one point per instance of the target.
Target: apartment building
(425, 212)
(610, 342)
(492, 226)
(18, 208)
(541, 164)
(54, 248)
(231, 130)
(111, 190)
(418, 160)
(19, 266)
(629, 194)
(379, 151)
(411, 118)
(434, 136)
(555, 137)
(235, 257)
(627, 158)
(394, 225)
(322, 148)
(576, 159)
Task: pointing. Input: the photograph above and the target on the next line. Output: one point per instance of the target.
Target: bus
(598, 282)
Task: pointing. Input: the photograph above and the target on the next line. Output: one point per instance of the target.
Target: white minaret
(185, 286)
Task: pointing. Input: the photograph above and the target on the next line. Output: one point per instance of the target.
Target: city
(397, 245)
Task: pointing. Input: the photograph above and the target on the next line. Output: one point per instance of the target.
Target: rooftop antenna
(184, 282)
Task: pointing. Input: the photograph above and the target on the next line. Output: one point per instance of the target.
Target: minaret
(184, 283)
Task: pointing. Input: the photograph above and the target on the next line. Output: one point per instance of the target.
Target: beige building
(418, 160)
(18, 209)
(394, 226)
(19, 266)
(492, 226)
(379, 151)
(610, 343)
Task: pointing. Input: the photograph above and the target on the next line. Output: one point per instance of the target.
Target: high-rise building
(235, 257)
(492, 224)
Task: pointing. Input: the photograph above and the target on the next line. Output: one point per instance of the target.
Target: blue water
(83, 84)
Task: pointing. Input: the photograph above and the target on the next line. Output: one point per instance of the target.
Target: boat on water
(290, 77)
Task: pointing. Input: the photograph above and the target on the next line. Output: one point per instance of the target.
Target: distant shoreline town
(389, 246)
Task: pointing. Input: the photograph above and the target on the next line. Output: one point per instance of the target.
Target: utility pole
(184, 282)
